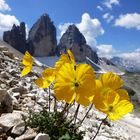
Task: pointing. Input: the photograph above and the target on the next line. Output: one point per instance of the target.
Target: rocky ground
(18, 95)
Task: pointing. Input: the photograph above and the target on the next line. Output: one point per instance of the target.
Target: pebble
(42, 136)
(29, 134)
(18, 129)
(8, 120)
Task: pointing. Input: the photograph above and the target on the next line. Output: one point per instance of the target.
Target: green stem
(76, 113)
(55, 105)
(64, 109)
(49, 99)
(86, 113)
(67, 111)
(99, 127)
(61, 117)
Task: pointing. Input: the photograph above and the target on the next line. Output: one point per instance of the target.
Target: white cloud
(106, 50)
(131, 20)
(108, 17)
(90, 28)
(4, 6)
(100, 8)
(135, 55)
(6, 22)
(137, 50)
(110, 3)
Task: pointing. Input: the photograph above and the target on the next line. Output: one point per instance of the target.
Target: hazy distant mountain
(127, 64)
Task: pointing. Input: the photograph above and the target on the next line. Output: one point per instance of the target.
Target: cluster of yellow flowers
(77, 83)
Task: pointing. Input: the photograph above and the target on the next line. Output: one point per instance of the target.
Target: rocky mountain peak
(16, 37)
(42, 37)
(72, 35)
(74, 40)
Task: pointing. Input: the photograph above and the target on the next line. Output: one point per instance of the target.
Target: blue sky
(112, 26)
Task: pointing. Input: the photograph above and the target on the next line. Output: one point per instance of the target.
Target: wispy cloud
(135, 55)
(108, 17)
(91, 28)
(4, 6)
(106, 50)
(109, 3)
(130, 20)
(99, 7)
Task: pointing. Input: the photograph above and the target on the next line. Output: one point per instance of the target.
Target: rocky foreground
(18, 95)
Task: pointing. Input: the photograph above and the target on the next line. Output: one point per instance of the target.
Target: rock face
(16, 37)
(42, 37)
(74, 40)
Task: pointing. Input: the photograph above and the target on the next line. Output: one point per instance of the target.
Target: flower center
(110, 108)
(74, 67)
(76, 84)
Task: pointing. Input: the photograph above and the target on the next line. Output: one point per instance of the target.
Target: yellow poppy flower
(110, 81)
(48, 76)
(75, 83)
(65, 58)
(113, 105)
(27, 62)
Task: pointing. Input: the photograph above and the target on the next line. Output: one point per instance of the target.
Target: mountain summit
(74, 40)
(42, 37)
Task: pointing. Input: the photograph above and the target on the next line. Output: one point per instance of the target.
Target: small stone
(16, 95)
(10, 138)
(42, 136)
(2, 94)
(31, 95)
(29, 134)
(1, 130)
(6, 102)
(18, 129)
(7, 121)
(41, 101)
(9, 54)
(3, 86)
(13, 82)
(5, 75)
(21, 90)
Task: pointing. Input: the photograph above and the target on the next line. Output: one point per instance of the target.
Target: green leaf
(65, 137)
